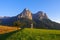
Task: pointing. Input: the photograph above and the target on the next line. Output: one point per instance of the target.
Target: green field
(32, 34)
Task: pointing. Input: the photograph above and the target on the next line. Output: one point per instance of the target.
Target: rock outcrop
(25, 14)
(40, 15)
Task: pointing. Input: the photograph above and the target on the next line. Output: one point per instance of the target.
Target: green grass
(32, 34)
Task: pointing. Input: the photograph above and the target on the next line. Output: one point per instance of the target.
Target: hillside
(32, 34)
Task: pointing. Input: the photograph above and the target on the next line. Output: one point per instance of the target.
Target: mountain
(3, 17)
(42, 21)
(40, 15)
(25, 14)
(27, 19)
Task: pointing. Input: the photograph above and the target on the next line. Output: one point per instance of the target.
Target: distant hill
(26, 18)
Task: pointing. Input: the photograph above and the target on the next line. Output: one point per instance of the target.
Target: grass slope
(32, 34)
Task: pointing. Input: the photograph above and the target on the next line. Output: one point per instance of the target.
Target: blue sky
(14, 7)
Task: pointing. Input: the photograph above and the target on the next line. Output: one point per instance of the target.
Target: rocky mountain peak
(41, 15)
(45, 16)
(25, 14)
(26, 9)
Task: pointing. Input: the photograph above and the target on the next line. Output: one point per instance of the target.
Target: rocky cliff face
(25, 14)
(40, 15)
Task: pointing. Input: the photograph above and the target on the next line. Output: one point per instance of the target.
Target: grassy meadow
(32, 34)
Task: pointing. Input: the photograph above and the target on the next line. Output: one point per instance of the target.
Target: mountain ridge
(39, 20)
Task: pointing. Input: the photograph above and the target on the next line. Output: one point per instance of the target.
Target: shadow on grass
(6, 35)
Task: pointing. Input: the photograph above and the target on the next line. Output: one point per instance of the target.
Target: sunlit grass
(7, 29)
(46, 31)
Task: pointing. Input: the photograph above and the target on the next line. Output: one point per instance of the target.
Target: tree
(17, 23)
